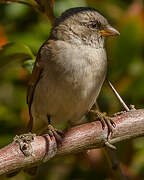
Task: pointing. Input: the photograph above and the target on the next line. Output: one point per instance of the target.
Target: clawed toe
(53, 132)
(109, 145)
(24, 142)
(58, 137)
(59, 132)
(111, 125)
(106, 121)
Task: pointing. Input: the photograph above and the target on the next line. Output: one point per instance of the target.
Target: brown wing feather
(36, 73)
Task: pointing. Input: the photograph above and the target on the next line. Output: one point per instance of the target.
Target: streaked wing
(36, 74)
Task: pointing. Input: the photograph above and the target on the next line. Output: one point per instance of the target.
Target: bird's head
(83, 25)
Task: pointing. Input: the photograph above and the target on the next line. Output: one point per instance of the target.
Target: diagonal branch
(87, 136)
(48, 6)
(16, 1)
(44, 7)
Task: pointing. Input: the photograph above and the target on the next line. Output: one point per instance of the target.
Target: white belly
(69, 91)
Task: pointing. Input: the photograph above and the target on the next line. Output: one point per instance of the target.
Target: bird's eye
(94, 25)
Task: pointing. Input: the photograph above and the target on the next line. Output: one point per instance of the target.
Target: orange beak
(109, 31)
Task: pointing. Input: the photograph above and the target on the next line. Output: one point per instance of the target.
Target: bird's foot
(132, 107)
(106, 121)
(24, 141)
(53, 132)
(119, 113)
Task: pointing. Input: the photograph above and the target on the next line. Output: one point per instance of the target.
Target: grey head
(82, 26)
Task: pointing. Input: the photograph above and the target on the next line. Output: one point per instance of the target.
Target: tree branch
(87, 136)
(16, 1)
(45, 10)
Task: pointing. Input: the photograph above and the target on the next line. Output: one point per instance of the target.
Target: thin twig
(118, 96)
(48, 6)
(113, 162)
(15, 1)
(46, 10)
(35, 7)
(116, 171)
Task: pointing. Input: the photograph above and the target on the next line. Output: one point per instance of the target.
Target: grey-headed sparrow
(69, 70)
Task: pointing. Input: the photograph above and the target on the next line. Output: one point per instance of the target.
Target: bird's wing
(33, 82)
(35, 77)
(45, 53)
(36, 73)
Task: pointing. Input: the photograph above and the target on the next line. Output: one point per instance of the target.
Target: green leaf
(15, 52)
(28, 65)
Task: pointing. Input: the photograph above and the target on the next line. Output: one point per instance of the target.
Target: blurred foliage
(24, 29)
(12, 52)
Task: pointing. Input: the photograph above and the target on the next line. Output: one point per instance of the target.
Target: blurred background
(26, 30)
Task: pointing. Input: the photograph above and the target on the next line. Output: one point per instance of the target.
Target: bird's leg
(51, 131)
(24, 141)
(105, 121)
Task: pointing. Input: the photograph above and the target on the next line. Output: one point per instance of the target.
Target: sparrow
(69, 71)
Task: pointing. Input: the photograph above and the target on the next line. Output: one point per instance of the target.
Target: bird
(69, 71)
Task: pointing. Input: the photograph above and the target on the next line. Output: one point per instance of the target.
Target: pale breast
(70, 84)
